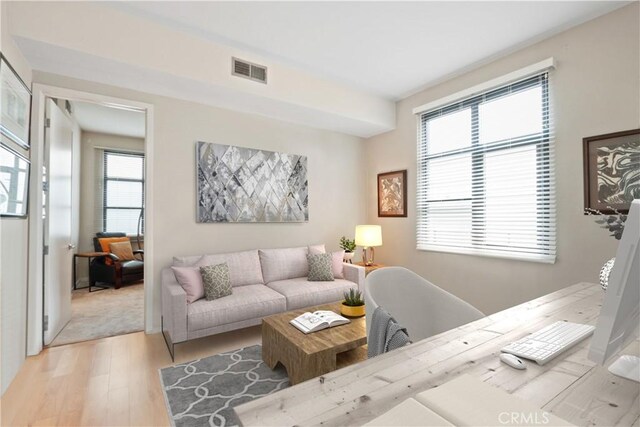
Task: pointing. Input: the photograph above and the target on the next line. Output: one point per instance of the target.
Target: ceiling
(391, 49)
(111, 120)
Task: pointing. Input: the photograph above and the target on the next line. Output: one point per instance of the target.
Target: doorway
(61, 309)
(103, 250)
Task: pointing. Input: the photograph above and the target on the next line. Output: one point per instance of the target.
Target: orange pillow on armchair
(106, 241)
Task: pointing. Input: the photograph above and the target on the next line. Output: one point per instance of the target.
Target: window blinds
(123, 191)
(485, 174)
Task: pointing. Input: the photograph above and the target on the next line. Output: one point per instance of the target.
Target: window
(123, 192)
(485, 175)
(14, 183)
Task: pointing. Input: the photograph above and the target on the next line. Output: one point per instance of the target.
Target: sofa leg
(170, 347)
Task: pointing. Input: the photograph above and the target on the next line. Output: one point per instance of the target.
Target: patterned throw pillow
(216, 281)
(320, 267)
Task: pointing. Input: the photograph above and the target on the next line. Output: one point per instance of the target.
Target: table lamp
(368, 236)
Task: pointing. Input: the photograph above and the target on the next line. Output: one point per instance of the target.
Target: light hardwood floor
(111, 381)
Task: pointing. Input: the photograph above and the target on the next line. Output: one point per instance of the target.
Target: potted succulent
(349, 247)
(353, 304)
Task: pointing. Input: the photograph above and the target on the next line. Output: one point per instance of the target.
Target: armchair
(117, 271)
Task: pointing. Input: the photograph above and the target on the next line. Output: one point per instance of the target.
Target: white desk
(571, 386)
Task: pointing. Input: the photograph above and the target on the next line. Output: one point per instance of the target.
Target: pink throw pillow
(336, 264)
(191, 281)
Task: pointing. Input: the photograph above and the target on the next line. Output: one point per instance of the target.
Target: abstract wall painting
(238, 184)
(612, 171)
(392, 194)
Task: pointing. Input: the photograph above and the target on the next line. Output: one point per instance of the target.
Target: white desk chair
(417, 304)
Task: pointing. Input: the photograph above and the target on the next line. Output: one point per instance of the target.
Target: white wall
(90, 188)
(13, 253)
(335, 163)
(594, 90)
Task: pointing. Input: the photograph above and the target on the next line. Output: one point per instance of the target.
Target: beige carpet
(103, 314)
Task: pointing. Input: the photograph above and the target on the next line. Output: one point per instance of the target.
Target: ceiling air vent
(249, 70)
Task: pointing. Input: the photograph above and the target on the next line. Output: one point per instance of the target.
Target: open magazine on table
(318, 320)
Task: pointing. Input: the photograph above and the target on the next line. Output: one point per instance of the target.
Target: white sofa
(264, 282)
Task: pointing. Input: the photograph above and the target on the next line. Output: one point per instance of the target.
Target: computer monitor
(620, 313)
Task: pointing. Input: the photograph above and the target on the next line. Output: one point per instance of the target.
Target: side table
(89, 256)
(369, 268)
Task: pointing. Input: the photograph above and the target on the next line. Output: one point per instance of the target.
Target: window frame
(106, 179)
(478, 244)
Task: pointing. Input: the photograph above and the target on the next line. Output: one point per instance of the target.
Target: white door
(58, 216)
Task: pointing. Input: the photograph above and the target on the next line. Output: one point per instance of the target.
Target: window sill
(542, 259)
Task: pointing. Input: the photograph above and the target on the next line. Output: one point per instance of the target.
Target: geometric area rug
(203, 392)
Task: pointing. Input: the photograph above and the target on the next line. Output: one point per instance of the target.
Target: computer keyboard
(545, 344)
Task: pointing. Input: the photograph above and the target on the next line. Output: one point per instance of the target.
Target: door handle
(71, 246)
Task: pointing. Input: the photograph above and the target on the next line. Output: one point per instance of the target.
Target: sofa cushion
(191, 281)
(104, 245)
(244, 267)
(122, 250)
(337, 264)
(216, 281)
(132, 267)
(320, 267)
(338, 259)
(302, 293)
(282, 264)
(246, 302)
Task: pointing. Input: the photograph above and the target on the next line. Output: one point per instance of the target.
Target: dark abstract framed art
(612, 171)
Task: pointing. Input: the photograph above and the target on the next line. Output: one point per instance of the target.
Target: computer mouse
(513, 361)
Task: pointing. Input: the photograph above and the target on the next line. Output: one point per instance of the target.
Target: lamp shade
(368, 235)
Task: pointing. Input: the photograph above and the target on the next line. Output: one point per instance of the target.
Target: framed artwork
(392, 194)
(612, 171)
(15, 106)
(238, 184)
(14, 183)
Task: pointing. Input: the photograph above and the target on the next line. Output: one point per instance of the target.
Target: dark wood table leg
(100, 288)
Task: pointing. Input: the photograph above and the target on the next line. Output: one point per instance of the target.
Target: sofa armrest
(354, 273)
(174, 307)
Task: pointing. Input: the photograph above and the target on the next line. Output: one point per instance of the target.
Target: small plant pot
(352, 311)
(348, 256)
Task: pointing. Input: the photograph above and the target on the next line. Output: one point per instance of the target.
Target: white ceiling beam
(87, 41)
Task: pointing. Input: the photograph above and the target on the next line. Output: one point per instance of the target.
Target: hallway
(103, 313)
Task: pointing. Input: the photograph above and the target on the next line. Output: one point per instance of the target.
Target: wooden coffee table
(311, 355)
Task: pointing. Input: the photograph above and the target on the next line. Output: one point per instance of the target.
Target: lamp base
(368, 261)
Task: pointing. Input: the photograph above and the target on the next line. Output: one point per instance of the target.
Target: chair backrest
(417, 304)
(100, 235)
